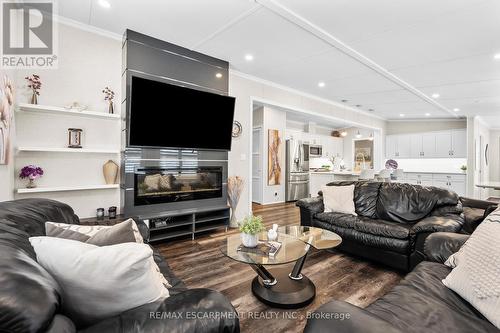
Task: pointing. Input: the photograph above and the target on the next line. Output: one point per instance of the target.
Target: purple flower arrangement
(31, 171)
(108, 94)
(34, 83)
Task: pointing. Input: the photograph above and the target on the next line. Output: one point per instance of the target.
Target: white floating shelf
(35, 108)
(68, 150)
(66, 188)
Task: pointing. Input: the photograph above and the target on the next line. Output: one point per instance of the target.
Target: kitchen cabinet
(441, 144)
(398, 146)
(459, 143)
(317, 181)
(454, 182)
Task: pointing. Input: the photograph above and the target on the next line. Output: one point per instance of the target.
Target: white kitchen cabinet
(459, 143)
(429, 145)
(403, 146)
(317, 181)
(440, 144)
(391, 148)
(455, 183)
(443, 144)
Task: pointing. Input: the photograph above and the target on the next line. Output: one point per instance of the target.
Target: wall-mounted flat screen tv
(170, 116)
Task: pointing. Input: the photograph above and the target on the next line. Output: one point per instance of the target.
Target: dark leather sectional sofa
(30, 300)
(392, 222)
(420, 303)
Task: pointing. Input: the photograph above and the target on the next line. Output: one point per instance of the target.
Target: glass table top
(295, 242)
(318, 238)
(292, 249)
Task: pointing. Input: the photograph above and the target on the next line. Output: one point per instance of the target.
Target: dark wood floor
(200, 264)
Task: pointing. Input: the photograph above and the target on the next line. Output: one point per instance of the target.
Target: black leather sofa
(392, 221)
(475, 211)
(30, 299)
(420, 303)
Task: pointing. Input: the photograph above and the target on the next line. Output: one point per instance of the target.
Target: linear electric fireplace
(164, 185)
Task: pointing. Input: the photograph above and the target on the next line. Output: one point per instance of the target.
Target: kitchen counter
(353, 173)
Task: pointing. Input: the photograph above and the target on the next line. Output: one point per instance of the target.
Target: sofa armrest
(193, 311)
(308, 208)
(476, 203)
(447, 223)
(342, 317)
(440, 245)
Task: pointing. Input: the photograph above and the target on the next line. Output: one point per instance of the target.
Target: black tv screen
(170, 116)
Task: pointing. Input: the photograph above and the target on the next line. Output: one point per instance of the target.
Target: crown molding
(303, 94)
(426, 120)
(87, 27)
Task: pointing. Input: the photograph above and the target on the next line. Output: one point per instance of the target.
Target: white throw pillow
(339, 199)
(476, 273)
(100, 282)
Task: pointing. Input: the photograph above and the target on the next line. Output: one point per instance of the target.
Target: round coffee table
(277, 286)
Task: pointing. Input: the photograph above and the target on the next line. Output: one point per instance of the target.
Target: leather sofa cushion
(365, 196)
(381, 242)
(29, 296)
(473, 217)
(406, 203)
(367, 225)
(421, 303)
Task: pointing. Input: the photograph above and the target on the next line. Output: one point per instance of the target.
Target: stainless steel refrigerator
(297, 170)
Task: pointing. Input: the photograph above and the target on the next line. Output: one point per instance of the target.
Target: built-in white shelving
(66, 188)
(68, 150)
(35, 108)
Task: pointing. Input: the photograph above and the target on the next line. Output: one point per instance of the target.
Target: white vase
(110, 172)
(249, 240)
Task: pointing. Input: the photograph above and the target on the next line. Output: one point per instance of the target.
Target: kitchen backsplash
(431, 164)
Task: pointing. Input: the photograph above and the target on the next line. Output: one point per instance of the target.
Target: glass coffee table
(278, 286)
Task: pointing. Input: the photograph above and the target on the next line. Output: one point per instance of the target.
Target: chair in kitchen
(367, 174)
(398, 175)
(385, 175)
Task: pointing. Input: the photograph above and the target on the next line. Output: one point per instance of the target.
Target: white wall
(7, 170)
(247, 89)
(87, 63)
(274, 120)
(476, 129)
(495, 159)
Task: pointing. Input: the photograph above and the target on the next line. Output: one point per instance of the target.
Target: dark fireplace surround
(158, 182)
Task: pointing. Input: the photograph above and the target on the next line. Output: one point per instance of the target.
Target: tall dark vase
(111, 108)
(34, 98)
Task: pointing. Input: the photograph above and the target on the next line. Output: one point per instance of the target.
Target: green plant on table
(252, 225)
(463, 167)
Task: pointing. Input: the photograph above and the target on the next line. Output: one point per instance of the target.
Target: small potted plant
(109, 95)
(35, 84)
(250, 228)
(31, 172)
(463, 168)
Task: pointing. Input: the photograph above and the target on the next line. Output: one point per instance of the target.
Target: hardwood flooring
(200, 264)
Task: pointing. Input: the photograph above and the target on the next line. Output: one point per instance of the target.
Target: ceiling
(384, 57)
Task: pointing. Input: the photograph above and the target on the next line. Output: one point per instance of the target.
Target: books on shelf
(267, 248)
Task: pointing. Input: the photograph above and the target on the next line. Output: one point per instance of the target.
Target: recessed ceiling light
(344, 100)
(248, 57)
(456, 109)
(435, 95)
(401, 114)
(427, 114)
(218, 75)
(497, 56)
(358, 105)
(104, 3)
(371, 110)
(321, 84)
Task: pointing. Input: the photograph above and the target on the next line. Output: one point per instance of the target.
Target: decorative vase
(34, 98)
(110, 172)
(31, 183)
(249, 240)
(111, 109)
